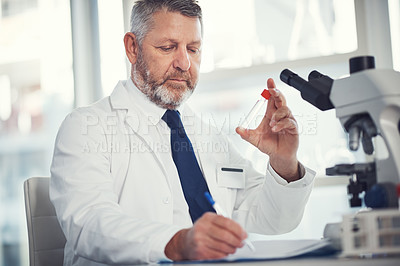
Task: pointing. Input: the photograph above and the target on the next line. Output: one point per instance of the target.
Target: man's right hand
(211, 237)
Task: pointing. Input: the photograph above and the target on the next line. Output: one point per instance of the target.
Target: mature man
(129, 174)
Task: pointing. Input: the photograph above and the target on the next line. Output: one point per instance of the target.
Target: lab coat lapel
(119, 100)
(137, 121)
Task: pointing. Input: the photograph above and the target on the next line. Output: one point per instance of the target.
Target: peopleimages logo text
(211, 124)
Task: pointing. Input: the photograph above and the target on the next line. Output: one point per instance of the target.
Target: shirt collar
(153, 112)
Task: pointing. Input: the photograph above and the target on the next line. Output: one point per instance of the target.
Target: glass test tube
(255, 110)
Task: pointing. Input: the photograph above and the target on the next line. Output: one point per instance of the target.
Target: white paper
(277, 249)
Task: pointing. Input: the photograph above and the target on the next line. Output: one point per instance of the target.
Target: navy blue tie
(192, 179)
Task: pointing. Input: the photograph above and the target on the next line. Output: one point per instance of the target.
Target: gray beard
(159, 94)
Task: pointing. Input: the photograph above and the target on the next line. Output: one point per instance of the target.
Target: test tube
(256, 109)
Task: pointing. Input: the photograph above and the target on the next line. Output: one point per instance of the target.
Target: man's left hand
(277, 135)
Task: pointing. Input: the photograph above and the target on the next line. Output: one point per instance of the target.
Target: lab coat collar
(152, 112)
(127, 96)
(119, 97)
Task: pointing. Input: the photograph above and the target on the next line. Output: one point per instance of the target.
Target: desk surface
(326, 261)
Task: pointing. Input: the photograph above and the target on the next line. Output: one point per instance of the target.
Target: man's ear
(131, 47)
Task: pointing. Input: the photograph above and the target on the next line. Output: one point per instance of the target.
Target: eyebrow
(176, 41)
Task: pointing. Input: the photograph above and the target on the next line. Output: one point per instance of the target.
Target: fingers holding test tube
(278, 115)
(277, 134)
(276, 111)
(277, 99)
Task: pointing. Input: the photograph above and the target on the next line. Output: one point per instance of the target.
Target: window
(36, 92)
(246, 33)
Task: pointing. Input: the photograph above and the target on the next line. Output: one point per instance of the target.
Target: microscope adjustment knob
(382, 195)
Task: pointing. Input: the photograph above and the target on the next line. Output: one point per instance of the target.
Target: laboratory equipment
(255, 110)
(366, 233)
(367, 103)
(371, 233)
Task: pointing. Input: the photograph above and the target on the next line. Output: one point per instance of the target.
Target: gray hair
(143, 11)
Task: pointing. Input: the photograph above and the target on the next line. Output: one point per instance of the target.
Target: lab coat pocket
(231, 176)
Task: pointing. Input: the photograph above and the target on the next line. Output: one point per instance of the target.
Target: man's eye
(166, 48)
(194, 50)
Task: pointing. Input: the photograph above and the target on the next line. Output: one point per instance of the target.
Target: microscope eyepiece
(315, 91)
(292, 79)
(286, 75)
(314, 75)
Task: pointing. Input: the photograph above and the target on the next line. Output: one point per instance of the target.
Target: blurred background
(56, 55)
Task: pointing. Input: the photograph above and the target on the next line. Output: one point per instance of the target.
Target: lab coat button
(166, 200)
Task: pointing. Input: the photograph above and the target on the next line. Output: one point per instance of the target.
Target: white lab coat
(113, 195)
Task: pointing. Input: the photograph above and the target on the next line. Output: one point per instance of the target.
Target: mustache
(179, 75)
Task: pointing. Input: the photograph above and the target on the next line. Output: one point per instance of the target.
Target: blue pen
(220, 211)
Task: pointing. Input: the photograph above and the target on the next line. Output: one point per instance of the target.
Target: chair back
(46, 239)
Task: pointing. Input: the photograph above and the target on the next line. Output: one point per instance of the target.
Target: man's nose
(182, 60)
